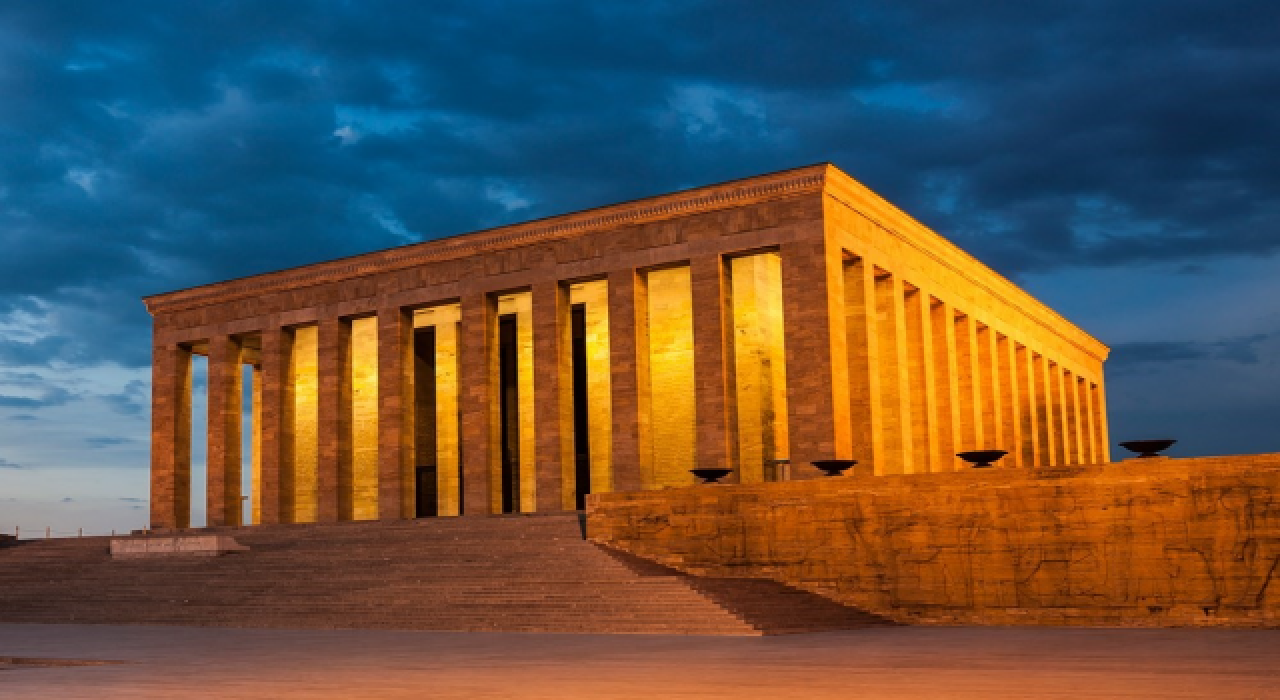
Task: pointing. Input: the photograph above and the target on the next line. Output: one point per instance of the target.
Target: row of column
(868, 366)
(943, 381)
(628, 384)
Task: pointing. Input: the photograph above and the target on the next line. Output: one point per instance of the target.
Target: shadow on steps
(769, 606)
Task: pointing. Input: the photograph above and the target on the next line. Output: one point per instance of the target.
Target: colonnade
(526, 399)
(950, 380)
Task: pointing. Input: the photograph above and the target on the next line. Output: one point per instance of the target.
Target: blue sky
(1116, 159)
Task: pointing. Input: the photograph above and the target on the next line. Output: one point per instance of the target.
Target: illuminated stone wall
(305, 383)
(444, 319)
(1144, 543)
(671, 388)
(594, 296)
(521, 305)
(364, 418)
(760, 365)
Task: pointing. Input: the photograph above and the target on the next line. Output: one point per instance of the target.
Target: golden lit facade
(672, 404)
(760, 365)
(302, 458)
(589, 326)
(759, 325)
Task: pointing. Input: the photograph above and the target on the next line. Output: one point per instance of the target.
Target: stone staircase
(505, 573)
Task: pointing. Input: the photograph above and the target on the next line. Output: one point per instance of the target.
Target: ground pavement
(896, 662)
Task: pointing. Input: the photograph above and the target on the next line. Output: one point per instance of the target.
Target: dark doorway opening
(509, 402)
(425, 492)
(581, 438)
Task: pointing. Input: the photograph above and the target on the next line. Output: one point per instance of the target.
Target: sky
(1116, 159)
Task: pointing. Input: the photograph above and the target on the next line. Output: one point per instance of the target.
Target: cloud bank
(147, 146)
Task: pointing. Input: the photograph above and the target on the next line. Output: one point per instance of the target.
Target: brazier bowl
(711, 475)
(833, 467)
(981, 458)
(1148, 448)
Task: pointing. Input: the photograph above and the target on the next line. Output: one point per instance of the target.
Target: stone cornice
(703, 199)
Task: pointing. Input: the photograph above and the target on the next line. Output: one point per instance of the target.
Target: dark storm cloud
(37, 353)
(1134, 356)
(151, 146)
(30, 391)
(53, 397)
(131, 401)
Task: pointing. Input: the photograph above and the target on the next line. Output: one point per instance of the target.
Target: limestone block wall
(1141, 543)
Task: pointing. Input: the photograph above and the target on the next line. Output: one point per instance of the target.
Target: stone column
(477, 378)
(333, 477)
(989, 378)
(1010, 406)
(395, 414)
(1100, 421)
(817, 355)
(1058, 416)
(713, 410)
(1089, 425)
(629, 379)
(862, 378)
(273, 431)
(1027, 402)
(226, 387)
(170, 436)
(1044, 412)
(921, 388)
(899, 457)
(946, 384)
(970, 385)
(553, 397)
(1075, 442)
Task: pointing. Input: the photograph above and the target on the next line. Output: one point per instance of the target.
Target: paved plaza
(903, 662)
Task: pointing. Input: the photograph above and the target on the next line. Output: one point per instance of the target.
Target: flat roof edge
(648, 209)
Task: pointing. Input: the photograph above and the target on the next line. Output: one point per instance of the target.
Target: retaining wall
(1149, 542)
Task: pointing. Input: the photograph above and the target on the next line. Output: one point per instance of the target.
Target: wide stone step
(517, 573)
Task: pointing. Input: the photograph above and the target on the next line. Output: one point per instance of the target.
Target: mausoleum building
(758, 324)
